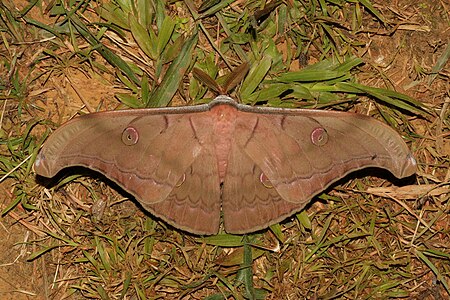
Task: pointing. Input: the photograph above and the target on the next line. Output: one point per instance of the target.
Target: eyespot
(265, 181)
(319, 136)
(130, 136)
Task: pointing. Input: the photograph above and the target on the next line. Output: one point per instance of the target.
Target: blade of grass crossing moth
(143, 38)
(236, 258)
(164, 92)
(255, 76)
(164, 34)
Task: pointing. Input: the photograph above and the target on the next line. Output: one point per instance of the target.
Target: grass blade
(166, 90)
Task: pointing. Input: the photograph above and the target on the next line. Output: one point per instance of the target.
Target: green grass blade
(433, 268)
(440, 64)
(223, 240)
(143, 38)
(169, 85)
(164, 34)
(255, 76)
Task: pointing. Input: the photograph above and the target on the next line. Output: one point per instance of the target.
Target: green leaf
(145, 87)
(129, 100)
(391, 97)
(372, 9)
(440, 64)
(303, 218)
(247, 271)
(223, 240)
(255, 76)
(112, 14)
(311, 75)
(142, 38)
(169, 85)
(277, 230)
(215, 8)
(164, 34)
(433, 268)
(44, 250)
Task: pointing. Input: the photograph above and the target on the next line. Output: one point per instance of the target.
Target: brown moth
(257, 165)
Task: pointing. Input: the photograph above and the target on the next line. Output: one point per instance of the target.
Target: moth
(254, 165)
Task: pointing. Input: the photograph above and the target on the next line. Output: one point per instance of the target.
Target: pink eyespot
(319, 136)
(265, 181)
(130, 136)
